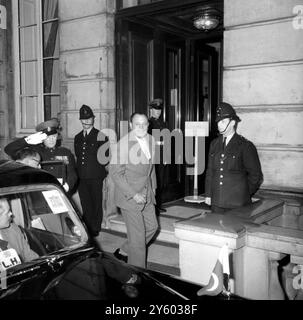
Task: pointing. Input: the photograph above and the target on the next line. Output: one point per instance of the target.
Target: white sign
(55, 201)
(196, 129)
(9, 258)
(2, 17)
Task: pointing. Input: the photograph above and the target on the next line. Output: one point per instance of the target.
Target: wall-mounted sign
(2, 17)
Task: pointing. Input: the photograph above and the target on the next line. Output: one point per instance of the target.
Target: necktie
(224, 144)
(85, 134)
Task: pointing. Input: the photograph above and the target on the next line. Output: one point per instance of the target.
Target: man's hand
(140, 198)
(36, 138)
(208, 201)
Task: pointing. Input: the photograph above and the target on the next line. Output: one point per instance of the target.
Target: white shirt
(144, 147)
(87, 131)
(228, 138)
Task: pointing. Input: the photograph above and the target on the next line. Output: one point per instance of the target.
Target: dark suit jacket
(132, 177)
(234, 175)
(86, 150)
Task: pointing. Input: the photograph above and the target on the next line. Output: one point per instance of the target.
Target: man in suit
(132, 171)
(91, 173)
(234, 171)
(156, 122)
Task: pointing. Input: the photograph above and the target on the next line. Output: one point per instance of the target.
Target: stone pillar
(263, 76)
(86, 63)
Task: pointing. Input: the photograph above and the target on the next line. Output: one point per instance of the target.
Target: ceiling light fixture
(206, 21)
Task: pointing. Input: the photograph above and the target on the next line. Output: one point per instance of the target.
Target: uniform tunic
(233, 175)
(91, 175)
(66, 170)
(160, 168)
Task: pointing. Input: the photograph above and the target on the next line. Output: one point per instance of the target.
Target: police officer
(91, 173)
(156, 122)
(57, 160)
(234, 170)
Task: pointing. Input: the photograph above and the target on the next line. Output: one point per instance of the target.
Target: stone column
(86, 63)
(263, 76)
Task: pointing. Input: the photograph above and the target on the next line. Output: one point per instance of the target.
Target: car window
(42, 222)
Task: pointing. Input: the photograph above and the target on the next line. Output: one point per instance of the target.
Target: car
(68, 264)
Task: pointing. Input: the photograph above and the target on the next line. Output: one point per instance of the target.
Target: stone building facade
(262, 77)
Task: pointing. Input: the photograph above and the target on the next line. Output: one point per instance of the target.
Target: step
(162, 256)
(163, 253)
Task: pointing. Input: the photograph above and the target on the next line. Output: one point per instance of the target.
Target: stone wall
(263, 76)
(86, 63)
(3, 76)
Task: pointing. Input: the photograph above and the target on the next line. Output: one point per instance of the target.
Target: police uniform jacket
(64, 162)
(157, 124)
(86, 150)
(233, 175)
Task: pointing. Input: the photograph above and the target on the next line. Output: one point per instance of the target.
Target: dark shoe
(160, 209)
(120, 256)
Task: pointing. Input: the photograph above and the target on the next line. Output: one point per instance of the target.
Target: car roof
(15, 174)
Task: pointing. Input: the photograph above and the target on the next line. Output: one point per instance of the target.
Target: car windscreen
(42, 221)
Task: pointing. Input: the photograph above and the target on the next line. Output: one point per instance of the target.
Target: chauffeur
(91, 172)
(234, 171)
(156, 122)
(59, 161)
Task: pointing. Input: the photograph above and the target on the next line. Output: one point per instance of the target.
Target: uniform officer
(58, 161)
(91, 173)
(156, 122)
(234, 170)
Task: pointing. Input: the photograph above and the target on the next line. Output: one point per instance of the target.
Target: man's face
(226, 126)
(5, 214)
(155, 113)
(34, 161)
(87, 123)
(139, 126)
(51, 140)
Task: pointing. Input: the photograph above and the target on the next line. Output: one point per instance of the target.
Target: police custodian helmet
(156, 104)
(225, 110)
(86, 112)
(49, 127)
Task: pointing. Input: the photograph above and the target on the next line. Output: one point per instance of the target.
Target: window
(36, 62)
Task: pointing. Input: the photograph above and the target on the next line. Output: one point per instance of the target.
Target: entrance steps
(163, 252)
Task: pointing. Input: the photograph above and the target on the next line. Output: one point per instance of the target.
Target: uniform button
(222, 162)
(221, 169)
(221, 177)
(52, 168)
(82, 162)
(222, 155)
(221, 183)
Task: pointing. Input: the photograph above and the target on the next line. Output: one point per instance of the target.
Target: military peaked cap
(49, 127)
(156, 104)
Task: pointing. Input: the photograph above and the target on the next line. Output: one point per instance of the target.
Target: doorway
(156, 59)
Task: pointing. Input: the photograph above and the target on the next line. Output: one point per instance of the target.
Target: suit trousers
(141, 227)
(160, 174)
(90, 192)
